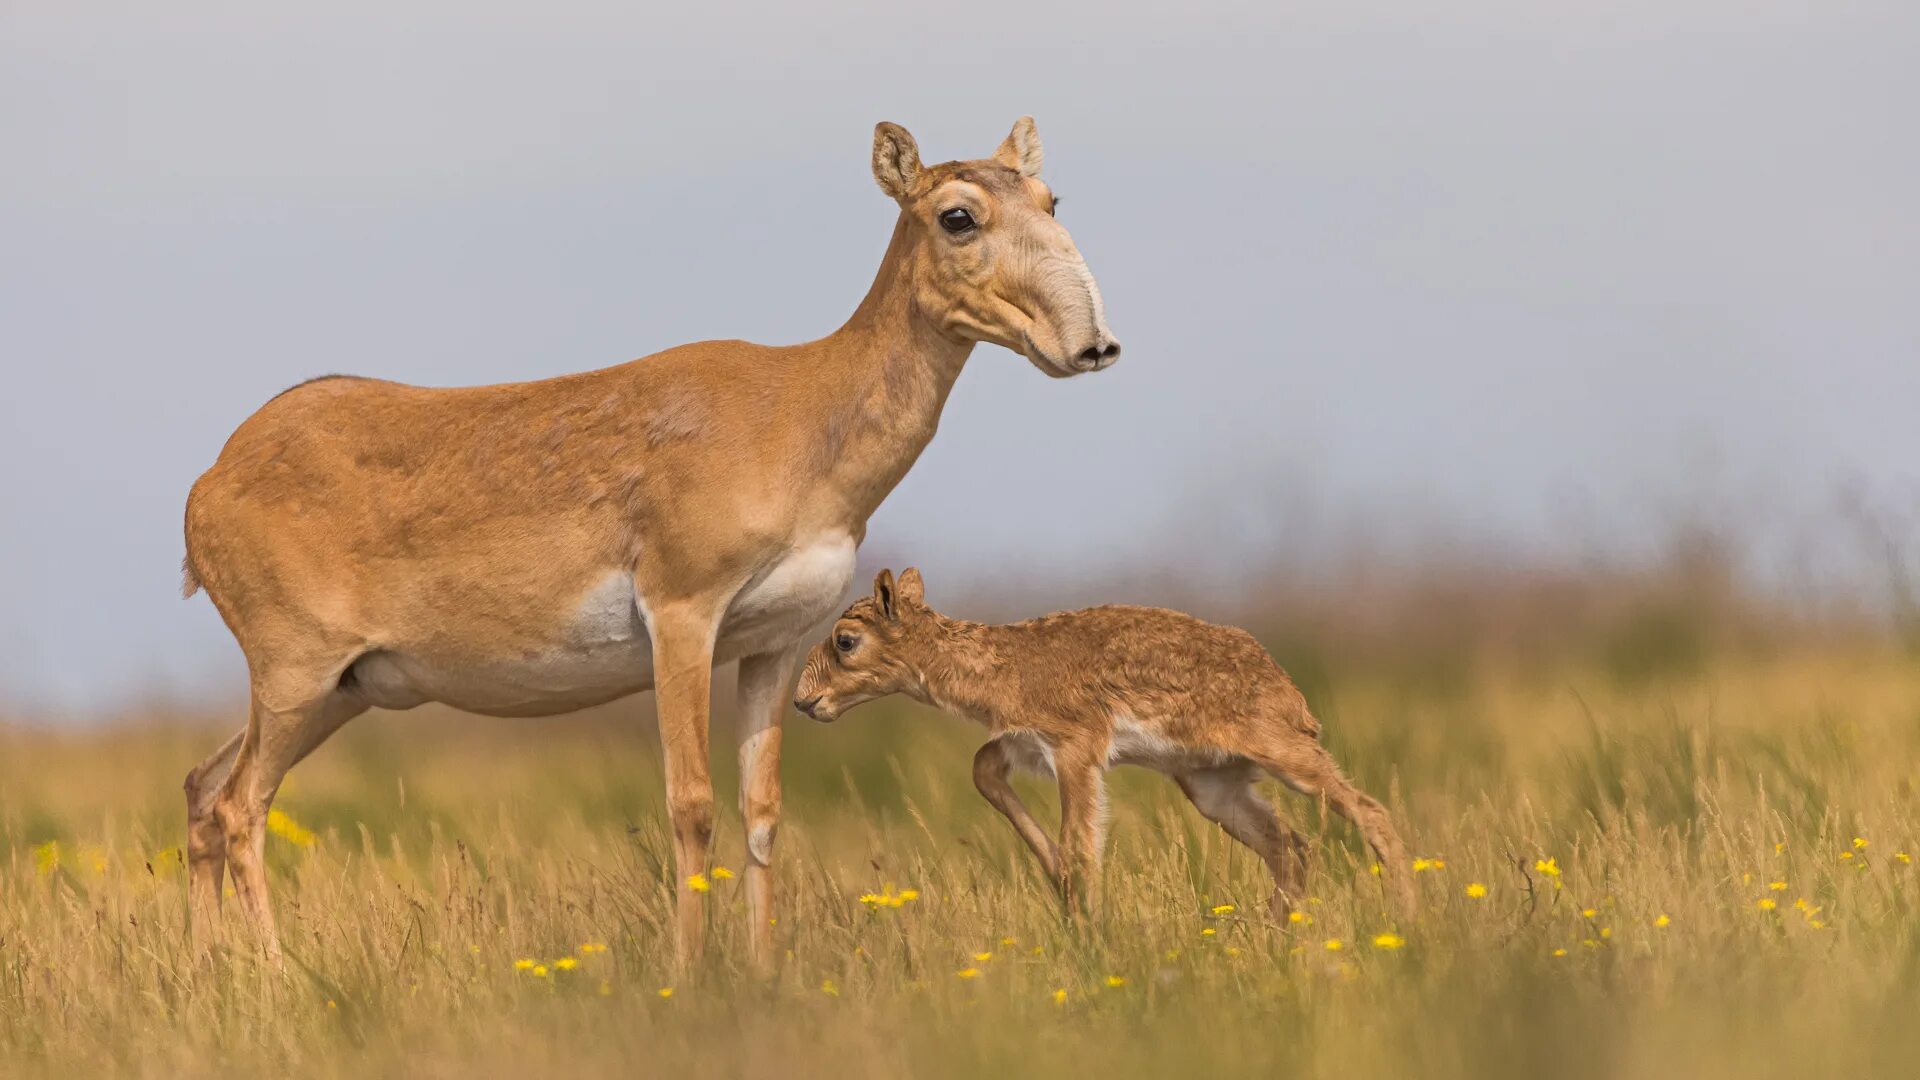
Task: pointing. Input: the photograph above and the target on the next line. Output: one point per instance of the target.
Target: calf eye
(956, 220)
(844, 643)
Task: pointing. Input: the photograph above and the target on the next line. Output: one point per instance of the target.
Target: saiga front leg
(683, 682)
(991, 766)
(766, 686)
(1083, 805)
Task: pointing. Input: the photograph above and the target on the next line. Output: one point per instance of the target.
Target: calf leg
(1083, 809)
(1227, 797)
(1304, 765)
(991, 767)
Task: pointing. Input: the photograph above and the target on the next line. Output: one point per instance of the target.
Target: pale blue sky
(1503, 273)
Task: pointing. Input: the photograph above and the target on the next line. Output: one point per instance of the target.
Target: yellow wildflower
(1116, 981)
(665, 991)
(46, 858)
(1060, 996)
(1223, 909)
(1374, 869)
(167, 863)
(829, 988)
(872, 899)
(968, 972)
(1233, 950)
(1765, 903)
(1421, 866)
(699, 883)
(1475, 890)
(1173, 954)
(1846, 856)
(1007, 942)
(1779, 847)
(1858, 843)
(907, 896)
(539, 971)
(1902, 857)
(1606, 932)
(1559, 952)
(1208, 932)
(1299, 918)
(1550, 867)
(1388, 941)
(1334, 944)
(1777, 886)
(566, 963)
(606, 988)
(1039, 950)
(721, 873)
(982, 957)
(1589, 912)
(592, 947)
(284, 827)
(1660, 922)
(523, 965)
(1816, 924)
(93, 859)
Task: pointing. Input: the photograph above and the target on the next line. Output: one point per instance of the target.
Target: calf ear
(883, 592)
(912, 589)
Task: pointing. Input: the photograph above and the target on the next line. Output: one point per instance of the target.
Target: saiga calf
(1077, 692)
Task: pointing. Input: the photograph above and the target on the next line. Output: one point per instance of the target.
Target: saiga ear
(1021, 149)
(912, 590)
(883, 592)
(896, 160)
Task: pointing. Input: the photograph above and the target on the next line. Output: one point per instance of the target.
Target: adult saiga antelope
(538, 547)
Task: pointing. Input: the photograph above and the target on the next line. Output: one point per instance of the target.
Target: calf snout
(807, 704)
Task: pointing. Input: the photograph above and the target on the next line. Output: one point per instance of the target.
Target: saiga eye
(956, 220)
(844, 643)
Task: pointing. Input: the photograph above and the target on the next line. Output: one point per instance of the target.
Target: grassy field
(1624, 872)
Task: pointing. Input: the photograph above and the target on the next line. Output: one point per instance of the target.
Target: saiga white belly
(605, 651)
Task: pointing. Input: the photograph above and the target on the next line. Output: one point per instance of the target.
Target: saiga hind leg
(282, 728)
(1302, 764)
(1226, 796)
(206, 842)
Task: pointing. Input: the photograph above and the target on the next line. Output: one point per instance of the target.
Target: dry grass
(446, 849)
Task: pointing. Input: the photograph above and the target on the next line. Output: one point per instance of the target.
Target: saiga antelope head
(992, 263)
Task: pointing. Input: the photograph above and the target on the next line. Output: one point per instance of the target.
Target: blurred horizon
(1414, 304)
